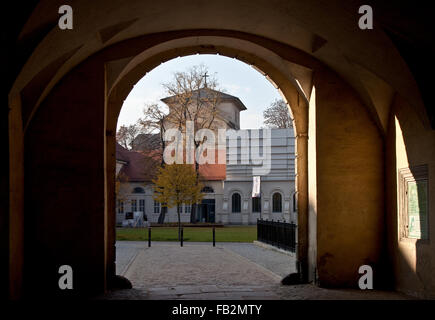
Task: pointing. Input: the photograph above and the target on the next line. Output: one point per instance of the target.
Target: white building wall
(281, 179)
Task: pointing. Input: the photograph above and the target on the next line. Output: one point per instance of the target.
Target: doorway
(206, 212)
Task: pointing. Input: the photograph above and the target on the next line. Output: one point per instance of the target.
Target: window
(181, 208)
(187, 208)
(256, 204)
(142, 205)
(294, 202)
(207, 190)
(156, 206)
(138, 190)
(120, 206)
(277, 202)
(414, 204)
(134, 205)
(236, 203)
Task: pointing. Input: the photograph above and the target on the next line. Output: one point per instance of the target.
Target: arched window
(236, 202)
(207, 189)
(138, 190)
(277, 202)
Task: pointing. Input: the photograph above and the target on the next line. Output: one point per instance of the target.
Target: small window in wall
(142, 205)
(138, 190)
(134, 205)
(414, 202)
(256, 204)
(236, 202)
(277, 202)
(187, 208)
(181, 208)
(156, 206)
(120, 206)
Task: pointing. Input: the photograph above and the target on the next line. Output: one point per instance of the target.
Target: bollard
(149, 236)
(181, 238)
(214, 237)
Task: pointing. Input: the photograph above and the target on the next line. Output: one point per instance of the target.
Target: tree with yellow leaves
(176, 184)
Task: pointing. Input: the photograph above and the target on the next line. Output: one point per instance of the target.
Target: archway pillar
(64, 187)
(15, 222)
(348, 199)
(302, 204)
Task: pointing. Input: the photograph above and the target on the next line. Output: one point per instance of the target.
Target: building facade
(228, 188)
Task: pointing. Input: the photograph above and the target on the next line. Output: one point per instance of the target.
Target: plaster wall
(410, 144)
(350, 183)
(64, 187)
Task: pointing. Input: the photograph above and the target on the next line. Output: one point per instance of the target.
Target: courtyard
(229, 271)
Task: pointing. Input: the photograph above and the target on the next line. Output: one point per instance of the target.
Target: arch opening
(117, 94)
(118, 83)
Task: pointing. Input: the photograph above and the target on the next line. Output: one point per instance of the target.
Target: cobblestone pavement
(168, 264)
(126, 251)
(279, 263)
(229, 271)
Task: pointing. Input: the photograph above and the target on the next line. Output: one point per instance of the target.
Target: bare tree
(193, 96)
(127, 134)
(153, 123)
(277, 115)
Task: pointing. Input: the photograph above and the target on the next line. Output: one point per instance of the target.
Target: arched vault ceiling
(325, 30)
(293, 81)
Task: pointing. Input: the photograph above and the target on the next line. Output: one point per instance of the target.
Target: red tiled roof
(142, 166)
(121, 153)
(214, 171)
(139, 166)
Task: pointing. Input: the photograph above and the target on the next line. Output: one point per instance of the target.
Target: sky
(235, 77)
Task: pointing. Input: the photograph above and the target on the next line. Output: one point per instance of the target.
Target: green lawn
(196, 234)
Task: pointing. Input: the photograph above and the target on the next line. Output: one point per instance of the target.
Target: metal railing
(278, 234)
(181, 236)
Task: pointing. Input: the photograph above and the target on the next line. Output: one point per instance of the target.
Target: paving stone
(212, 288)
(205, 296)
(167, 271)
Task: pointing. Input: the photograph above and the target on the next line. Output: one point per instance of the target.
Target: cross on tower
(205, 79)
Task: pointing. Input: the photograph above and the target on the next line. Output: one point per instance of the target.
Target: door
(207, 212)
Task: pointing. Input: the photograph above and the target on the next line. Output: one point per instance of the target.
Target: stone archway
(94, 104)
(122, 74)
(315, 262)
(59, 130)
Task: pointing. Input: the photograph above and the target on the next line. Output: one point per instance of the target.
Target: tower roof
(205, 92)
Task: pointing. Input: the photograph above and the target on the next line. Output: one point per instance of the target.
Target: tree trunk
(179, 222)
(162, 215)
(194, 205)
(193, 213)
